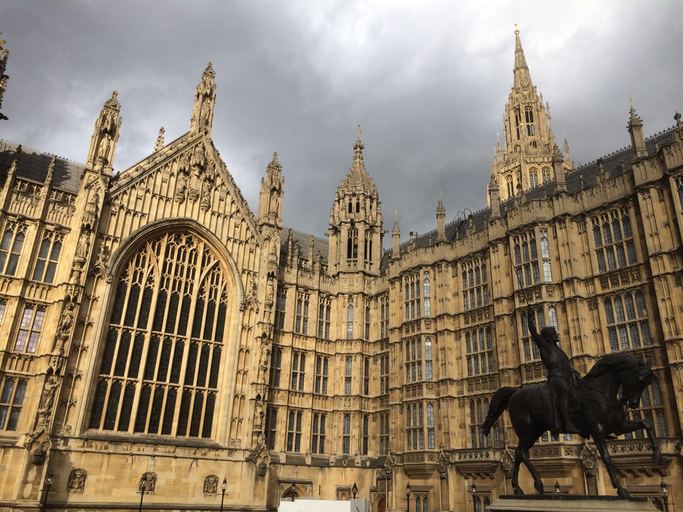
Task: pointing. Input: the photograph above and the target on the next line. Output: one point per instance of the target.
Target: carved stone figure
(211, 485)
(204, 116)
(270, 291)
(83, 245)
(205, 203)
(103, 150)
(67, 319)
(76, 481)
(258, 415)
(263, 362)
(181, 185)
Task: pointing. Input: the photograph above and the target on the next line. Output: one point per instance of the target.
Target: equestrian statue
(592, 406)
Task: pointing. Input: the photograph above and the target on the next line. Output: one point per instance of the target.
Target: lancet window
(613, 236)
(479, 350)
(411, 296)
(10, 247)
(627, 324)
(159, 371)
(475, 289)
(48, 256)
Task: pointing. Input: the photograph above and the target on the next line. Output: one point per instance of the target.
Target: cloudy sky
(427, 82)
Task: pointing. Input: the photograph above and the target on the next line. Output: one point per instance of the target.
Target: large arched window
(162, 352)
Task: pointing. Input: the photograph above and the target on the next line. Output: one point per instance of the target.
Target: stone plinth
(569, 502)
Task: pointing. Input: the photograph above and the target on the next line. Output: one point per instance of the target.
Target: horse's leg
(599, 438)
(526, 441)
(515, 473)
(633, 425)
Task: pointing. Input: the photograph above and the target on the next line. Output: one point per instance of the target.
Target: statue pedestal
(569, 503)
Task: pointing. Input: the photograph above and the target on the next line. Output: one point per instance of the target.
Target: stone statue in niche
(258, 415)
(274, 203)
(270, 292)
(67, 319)
(211, 485)
(205, 203)
(204, 115)
(83, 245)
(76, 481)
(263, 362)
(103, 150)
(181, 186)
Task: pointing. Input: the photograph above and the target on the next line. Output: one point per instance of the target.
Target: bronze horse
(601, 412)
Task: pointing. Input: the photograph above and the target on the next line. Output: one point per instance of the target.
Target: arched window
(164, 341)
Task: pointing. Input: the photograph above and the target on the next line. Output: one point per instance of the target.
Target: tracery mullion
(135, 330)
(147, 333)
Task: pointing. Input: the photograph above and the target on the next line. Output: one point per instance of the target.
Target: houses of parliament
(164, 346)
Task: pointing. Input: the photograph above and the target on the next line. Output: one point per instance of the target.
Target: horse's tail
(499, 403)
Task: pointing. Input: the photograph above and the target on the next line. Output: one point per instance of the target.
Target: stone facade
(160, 337)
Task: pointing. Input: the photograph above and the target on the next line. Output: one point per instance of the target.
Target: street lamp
(664, 493)
(557, 487)
(48, 483)
(408, 497)
(354, 490)
(142, 490)
(292, 490)
(223, 486)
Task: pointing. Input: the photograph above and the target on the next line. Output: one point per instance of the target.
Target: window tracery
(162, 351)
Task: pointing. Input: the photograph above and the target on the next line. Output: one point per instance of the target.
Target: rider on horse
(560, 376)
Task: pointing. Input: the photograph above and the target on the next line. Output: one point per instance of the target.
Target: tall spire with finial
(522, 76)
(635, 129)
(204, 101)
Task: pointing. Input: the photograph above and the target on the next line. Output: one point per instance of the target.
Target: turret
(396, 237)
(356, 221)
(105, 137)
(270, 198)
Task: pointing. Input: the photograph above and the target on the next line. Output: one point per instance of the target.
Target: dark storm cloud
(426, 81)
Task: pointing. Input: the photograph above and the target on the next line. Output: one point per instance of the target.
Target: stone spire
(105, 137)
(396, 236)
(527, 159)
(635, 129)
(204, 101)
(521, 71)
(440, 221)
(3, 77)
(272, 192)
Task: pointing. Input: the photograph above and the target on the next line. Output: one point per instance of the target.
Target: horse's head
(635, 384)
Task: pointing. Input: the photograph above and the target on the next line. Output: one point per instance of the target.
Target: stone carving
(205, 203)
(47, 399)
(258, 415)
(76, 481)
(83, 245)
(211, 485)
(263, 362)
(67, 319)
(588, 459)
(149, 481)
(181, 186)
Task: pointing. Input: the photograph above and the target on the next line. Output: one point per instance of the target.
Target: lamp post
(473, 492)
(354, 490)
(48, 483)
(408, 497)
(665, 495)
(292, 490)
(142, 490)
(557, 487)
(223, 486)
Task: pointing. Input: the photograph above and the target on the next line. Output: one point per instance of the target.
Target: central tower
(530, 156)
(356, 222)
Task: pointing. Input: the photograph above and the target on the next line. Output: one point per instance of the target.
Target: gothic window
(368, 245)
(533, 178)
(481, 503)
(383, 433)
(421, 503)
(349, 321)
(510, 187)
(651, 408)
(530, 348)
(357, 206)
(48, 256)
(679, 187)
(318, 433)
(366, 376)
(298, 371)
(546, 175)
(294, 431)
(475, 288)
(412, 296)
(280, 305)
(352, 244)
(428, 359)
(427, 298)
(321, 369)
(529, 118)
(29, 329)
(350, 207)
(627, 324)
(479, 408)
(518, 120)
(10, 247)
(159, 371)
(414, 359)
(346, 439)
(613, 236)
(431, 444)
(11, 402)
(384, 316)
(3, 306)
(367, 322)
(479, 350)
(384, 374)
(348, 375)
(301, 325)
(366, 433)
(271, 427)
(324, 319)
(415, 436)
(275, 367)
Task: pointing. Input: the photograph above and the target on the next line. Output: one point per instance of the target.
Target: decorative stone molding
(76, 483)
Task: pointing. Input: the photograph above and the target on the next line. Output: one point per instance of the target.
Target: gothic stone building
(159, 335)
